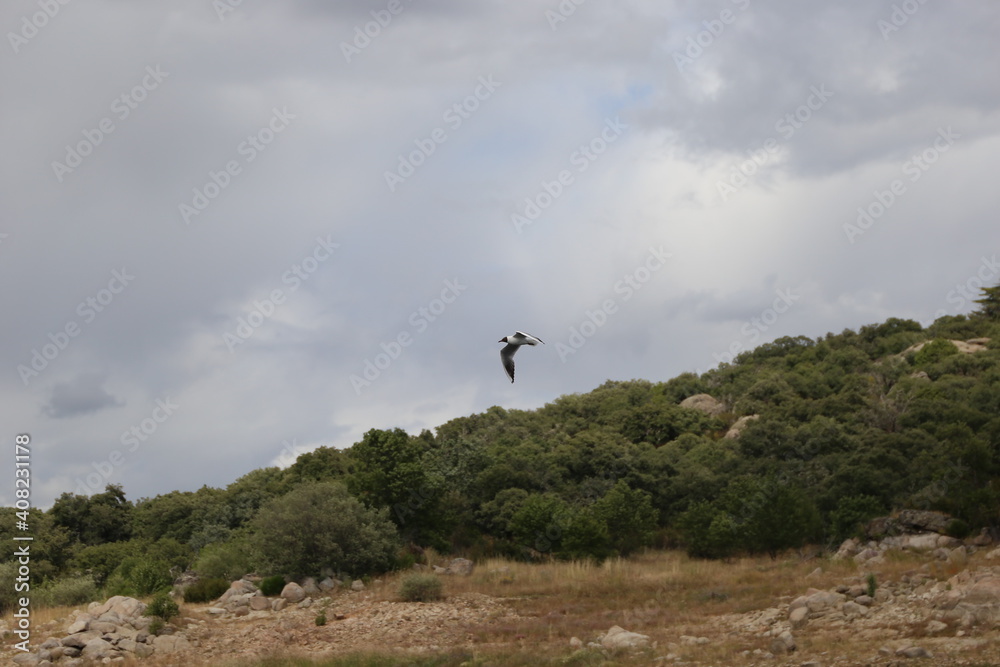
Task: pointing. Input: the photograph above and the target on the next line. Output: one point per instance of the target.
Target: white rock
(619, 638)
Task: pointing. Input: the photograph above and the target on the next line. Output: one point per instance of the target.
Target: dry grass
(661, 594)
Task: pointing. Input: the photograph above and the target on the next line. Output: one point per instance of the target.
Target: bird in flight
(513, 342)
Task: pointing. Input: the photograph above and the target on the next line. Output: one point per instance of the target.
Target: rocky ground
(945, 611)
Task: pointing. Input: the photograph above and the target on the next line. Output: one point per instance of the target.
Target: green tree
(989, 303)
(389, 473)
(103, 517)
(629, 517)
(319, 525)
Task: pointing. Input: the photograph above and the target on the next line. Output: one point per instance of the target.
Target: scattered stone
(936, 626)
(865, 600)
(783, 643)
(329, 584)
(357, 585)
(694, 641)
(575, 643)
(279, 604)
(618, 638)
(799, 616)
(914, 652)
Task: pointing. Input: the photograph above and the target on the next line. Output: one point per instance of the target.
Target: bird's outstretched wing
(507, 357)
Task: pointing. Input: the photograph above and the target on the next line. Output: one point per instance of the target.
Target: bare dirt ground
(693, 613)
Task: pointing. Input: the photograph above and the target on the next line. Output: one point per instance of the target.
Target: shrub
(321, 618)
(206, 590)
(320, 525)
(67, 592)
(137, 577)
(958, 528)
(272, 585)
(156, 626)
(162, 606)
(227, 560)
(872, 585)
(420, 588)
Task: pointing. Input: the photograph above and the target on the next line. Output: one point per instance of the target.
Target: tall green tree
(389, 473)
(989, 303)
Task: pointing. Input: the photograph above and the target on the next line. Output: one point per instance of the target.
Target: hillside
(829, 433)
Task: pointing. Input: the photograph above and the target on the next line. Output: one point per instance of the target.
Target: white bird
(513, 342)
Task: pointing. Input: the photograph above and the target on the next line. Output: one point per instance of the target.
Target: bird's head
(503, 340)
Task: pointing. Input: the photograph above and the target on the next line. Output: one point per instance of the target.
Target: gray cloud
(203, 134)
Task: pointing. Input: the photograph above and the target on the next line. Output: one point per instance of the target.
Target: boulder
(124, 608)
(799, 616)
(238, 587)
(924, 520)
(824, 601)
(310, 587)
(357, 585)
(737, 428)
(171, 643)
(704, 403)
(293, 593)
(460, 566)
(329, 584)
(80, 625)
(97, 649)
(279, 604)
(259, 603)
(617, 638)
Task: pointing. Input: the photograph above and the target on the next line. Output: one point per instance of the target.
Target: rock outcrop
(704, 403)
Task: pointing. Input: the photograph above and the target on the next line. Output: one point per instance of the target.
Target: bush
(66, 592)
(272, 585)
(162, 606)
(420, 588)
(225, 560)
(206, 590)
(321, 618)
(320, 525)
(137, 578)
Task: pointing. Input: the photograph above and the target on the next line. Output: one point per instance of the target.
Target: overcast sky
(234, 231)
